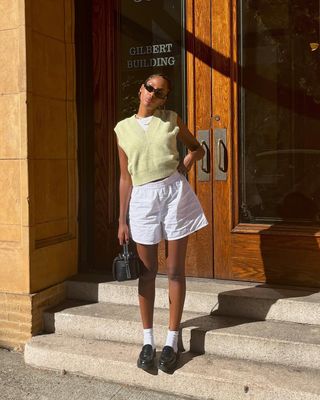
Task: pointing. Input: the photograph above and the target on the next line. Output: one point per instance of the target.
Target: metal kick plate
(203, 166)
(220, 154)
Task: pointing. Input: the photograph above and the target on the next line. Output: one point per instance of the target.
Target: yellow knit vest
(152, 154)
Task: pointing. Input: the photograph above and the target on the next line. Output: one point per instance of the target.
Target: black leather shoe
(168, 359)
(146, 357)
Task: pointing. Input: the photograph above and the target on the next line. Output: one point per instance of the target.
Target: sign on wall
(151, 41)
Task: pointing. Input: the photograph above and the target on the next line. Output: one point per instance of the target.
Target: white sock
(172, 340)
(148, 337)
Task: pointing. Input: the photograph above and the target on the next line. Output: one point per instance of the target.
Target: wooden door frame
(85, 124)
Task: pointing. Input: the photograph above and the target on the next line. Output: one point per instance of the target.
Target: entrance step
(248, 300)
(292, 344)
(201, 377)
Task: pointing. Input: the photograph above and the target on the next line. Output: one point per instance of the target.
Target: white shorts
(167, 209)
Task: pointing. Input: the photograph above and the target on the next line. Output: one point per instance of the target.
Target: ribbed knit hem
(153, 176)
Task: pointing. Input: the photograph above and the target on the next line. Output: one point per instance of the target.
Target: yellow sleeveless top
(152, 154)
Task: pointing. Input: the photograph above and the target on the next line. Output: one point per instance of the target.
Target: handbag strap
(126, 250)
(126, 258)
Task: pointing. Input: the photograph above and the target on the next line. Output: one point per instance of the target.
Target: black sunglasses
(157, 92)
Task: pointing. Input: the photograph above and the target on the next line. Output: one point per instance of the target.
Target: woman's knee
(148, 274)
(176, 274)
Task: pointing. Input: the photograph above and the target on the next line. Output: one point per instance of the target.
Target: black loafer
(168, 359)
(146, 357)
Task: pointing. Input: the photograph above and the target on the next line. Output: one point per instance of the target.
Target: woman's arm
(125, 187)
(196, 151)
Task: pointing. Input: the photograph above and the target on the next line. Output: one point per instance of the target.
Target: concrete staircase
(240, 341)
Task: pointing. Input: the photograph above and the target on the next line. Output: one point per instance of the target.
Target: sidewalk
(21, 382)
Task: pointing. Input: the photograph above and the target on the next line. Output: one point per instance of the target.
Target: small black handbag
(126, 266)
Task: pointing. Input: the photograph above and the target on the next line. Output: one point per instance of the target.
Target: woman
(161, 205)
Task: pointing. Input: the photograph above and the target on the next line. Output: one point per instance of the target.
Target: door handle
(203, 166)
(205, 161)
(221, 154)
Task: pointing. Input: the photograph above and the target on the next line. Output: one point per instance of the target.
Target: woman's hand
(123, 233)
(185, 165)
(196, 151)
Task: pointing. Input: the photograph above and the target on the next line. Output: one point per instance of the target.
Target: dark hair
(163, 76)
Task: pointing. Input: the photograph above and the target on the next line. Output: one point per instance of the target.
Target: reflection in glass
(279, 109)
(151, 41)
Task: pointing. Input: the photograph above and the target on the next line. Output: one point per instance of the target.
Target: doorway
(248, 80)
(124, 50)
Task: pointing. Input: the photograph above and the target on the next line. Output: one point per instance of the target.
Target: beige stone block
(24, 187)
(14, 272)
(10, 195)
(9, 325)
(48, 65)
(31, 197)
(49, 137)
(51, 190)
(47, 17)
(15, 337)
(21, 318)
(22, 4)
(25, 308)
(9, 14)
(25, 252)
(10, 233)
(53, 264)
(4, 315)
(29, 61)
(18, 298)
(23, 125)
(10, 135)
(13, 307)
(9, 61)
(51, 229)
(22, 66)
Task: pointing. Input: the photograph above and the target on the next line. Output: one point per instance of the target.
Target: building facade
(245, 80)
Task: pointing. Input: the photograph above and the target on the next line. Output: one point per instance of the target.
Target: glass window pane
(151, 40)
(279, 109)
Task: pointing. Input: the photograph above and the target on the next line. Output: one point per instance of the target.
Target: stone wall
(21, 316)
(14, 218)
(52, 141)
(38, 185)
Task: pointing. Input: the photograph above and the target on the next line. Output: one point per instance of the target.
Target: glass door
(270, 216)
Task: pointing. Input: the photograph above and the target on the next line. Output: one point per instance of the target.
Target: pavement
(19, 381)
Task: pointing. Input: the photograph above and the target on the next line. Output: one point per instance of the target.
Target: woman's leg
(177, 282)
(149, 257)
(177, 290)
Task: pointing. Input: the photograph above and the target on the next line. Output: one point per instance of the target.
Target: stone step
(200, 377)
(286, 343)
(249, 300)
